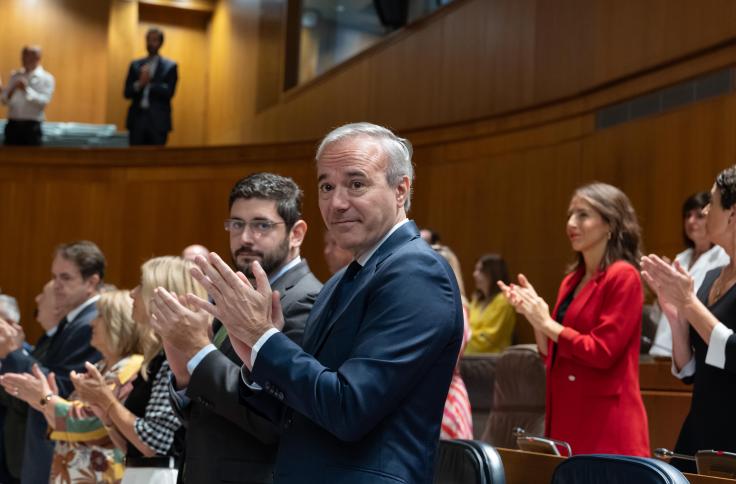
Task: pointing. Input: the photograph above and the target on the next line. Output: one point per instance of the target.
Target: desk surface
(531, 468)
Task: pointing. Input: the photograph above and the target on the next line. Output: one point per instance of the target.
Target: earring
(609, 235)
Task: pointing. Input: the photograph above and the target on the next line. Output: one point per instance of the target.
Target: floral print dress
(84, 453)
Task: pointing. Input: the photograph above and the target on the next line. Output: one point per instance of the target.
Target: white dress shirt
(28, 105)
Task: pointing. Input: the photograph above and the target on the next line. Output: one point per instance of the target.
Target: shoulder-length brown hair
(614, 207)
(495, 269)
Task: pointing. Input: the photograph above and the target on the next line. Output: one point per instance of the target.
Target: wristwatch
(45, 399)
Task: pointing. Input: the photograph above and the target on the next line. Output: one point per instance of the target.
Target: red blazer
(593, 397)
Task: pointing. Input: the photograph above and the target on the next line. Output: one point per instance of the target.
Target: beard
(270, 261)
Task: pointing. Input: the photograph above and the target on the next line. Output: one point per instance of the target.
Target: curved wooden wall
(480, 58)
(468, 61)
(500, 184)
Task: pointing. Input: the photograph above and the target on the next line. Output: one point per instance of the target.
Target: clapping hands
(247, 311)
(670, 282)
(11, 337)
(30, 387)
(525, 300)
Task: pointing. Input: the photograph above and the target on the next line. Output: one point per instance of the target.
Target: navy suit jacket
(364, 398)
(162, 87)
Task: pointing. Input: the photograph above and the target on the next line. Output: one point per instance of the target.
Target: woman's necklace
(722, 284)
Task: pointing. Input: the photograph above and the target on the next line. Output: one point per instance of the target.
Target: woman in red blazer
(591, 339)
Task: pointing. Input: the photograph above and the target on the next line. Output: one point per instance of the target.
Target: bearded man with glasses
(225, 441)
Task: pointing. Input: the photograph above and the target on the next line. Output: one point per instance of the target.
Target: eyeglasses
(257, 228)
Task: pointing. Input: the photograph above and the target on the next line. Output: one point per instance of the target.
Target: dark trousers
(145, 131)
(23, 133)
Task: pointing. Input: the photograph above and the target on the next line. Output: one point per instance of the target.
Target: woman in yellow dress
(492, 318)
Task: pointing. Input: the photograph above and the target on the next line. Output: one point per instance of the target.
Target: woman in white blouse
(701, 256)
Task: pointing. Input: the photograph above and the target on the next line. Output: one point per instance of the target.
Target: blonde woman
(457, 419)
(145, 426)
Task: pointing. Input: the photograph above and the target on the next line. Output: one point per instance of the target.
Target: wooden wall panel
(499, 183)
(481, 58)
(484, 190)
(123, 43)
(472, 60)
(73, 35)
(642, 157)
(133, 211)
(233, 44)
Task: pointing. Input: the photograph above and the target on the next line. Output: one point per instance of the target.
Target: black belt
(156, 462)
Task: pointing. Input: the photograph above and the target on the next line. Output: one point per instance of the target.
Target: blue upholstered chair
(615, 469)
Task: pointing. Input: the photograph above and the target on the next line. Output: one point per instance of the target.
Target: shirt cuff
(259, 344)
(244, 376)
(197, 359)
(180, 395)
(686, 371)
(716, 355)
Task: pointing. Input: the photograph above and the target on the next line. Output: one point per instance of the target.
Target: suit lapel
(319, 312)
(326, 319)
(580, 301)
(290, 278)
(158, 76)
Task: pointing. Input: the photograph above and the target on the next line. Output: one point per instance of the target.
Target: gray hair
(398, 150)
(9, 308)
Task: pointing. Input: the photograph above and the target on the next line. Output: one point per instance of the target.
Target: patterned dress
(84, 453)
(457, 419)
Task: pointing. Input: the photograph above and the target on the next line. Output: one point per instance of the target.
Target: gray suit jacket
(225, 441)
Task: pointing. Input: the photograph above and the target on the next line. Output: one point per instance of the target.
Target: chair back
(518, 396)
(614, 469)
(468, 462)
(478, 372)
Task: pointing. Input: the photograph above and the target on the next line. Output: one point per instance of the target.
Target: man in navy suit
(78, 269)
(363, 401)
(150, 86)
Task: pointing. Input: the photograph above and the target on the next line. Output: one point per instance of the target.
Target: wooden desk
(532, 468)
(528, 467)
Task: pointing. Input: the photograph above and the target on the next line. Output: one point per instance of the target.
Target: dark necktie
(41, 350)
(345, 287)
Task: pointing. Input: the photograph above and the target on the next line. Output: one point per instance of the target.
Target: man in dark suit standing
(225, 441)
(363, 400)
(78, 269)
(150, 86)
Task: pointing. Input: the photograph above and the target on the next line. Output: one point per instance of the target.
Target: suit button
(571, 377)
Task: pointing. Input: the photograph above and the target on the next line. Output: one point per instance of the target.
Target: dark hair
(86, 256)
(726, 184)
(157, 31)
(434, 237)
(267, 186)
(494, 267)
(696, 201)
(616, 210)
